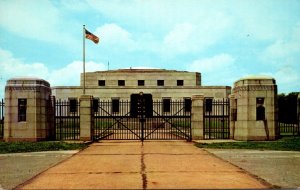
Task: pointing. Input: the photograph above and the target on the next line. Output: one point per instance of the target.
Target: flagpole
(83, 54)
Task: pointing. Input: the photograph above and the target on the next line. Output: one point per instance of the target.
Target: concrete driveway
(131, 165)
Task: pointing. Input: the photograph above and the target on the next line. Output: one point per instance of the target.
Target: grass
(102, 125)
(64, 133)
(182, 124)
(16, 147)
(285, 144)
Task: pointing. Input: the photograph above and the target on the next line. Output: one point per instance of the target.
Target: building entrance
(141, 118)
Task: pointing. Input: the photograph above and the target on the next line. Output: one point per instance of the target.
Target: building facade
(138, 104)
(160, 83)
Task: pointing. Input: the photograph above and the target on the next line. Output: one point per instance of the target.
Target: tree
(287, 105)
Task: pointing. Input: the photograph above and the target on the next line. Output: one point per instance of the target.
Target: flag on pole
(91, 36)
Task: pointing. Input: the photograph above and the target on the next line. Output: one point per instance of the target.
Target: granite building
(160, 83)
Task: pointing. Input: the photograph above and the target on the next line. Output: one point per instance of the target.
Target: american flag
(91, 36)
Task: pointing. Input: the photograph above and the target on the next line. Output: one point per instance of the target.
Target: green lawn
(287, 143)
(14, 147)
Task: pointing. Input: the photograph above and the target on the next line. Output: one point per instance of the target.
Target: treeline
(287, 107)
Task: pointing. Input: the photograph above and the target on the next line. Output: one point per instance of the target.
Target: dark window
(260, 109)
(95, 104)
(180, 82)
(208, 104)
(101, 82)
(121, 82)
(160, 82)
(141, 83)
(73, 105)
(115, 105)
(166, 105)
(187, 104)
(22, 107)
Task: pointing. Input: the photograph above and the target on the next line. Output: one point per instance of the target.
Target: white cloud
(217, 70)
(38, 20)
(180, 39)
(287, 79)
(284, 52)
(183, 38)
(67, 75)
(12, 67)
(195, 37)
(114, 36)
(282, 49)
(283, 57)
(177, 26)
(262, 20)
(212, 64)
(74, 5)
(288, 76)
(70, 74)
(162, 15)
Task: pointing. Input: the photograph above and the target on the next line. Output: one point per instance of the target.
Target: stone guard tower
(28, 105)
(254, 109)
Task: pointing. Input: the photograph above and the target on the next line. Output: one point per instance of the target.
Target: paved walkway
(131, 165)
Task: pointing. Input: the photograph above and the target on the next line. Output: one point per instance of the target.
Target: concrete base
(23, 139)
(84, 139)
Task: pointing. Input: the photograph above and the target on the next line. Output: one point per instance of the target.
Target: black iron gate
(1, 119)
(289, 115)
(119, 121)
(67, 123)
(216, 119)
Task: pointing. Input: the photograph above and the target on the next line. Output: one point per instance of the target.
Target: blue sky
(224, 40)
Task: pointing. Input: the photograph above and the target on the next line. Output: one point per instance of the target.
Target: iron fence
(289, 129)
(67, 120)
(216, 119)
(289, 126)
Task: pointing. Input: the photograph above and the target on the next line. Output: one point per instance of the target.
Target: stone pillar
(86, 118)
(255, 98)
(233, 115)
(26, 101)
(197, 117)
(51, 118)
